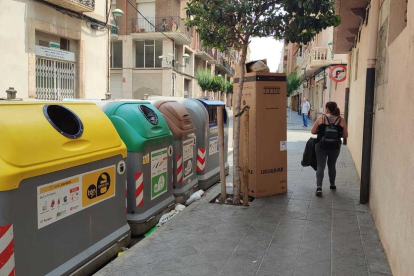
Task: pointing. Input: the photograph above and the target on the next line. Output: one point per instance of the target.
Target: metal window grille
(55, 80)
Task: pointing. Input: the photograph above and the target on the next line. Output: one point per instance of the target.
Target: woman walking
(330, 128)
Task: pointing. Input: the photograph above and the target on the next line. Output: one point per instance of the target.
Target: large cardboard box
(265, 93)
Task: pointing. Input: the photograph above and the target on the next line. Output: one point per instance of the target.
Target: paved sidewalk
(297, 122)
(293, 234)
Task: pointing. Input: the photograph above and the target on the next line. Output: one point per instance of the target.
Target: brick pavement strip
(293, 234)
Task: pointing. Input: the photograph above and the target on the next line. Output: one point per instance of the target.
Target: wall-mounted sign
(54, 53)
(54, 45)
(338, 73)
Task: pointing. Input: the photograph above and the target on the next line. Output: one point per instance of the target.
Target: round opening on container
(64, 120)
(149, 114)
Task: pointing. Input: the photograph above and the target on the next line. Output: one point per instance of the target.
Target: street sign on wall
(54, 53)
(338, 73)
(54, 45)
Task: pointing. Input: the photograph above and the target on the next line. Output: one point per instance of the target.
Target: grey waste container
(209, 173)
(204, 115)
(62, 189)
(185, 150)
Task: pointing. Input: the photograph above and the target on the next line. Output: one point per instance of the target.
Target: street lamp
(170, 60)
(115, 13)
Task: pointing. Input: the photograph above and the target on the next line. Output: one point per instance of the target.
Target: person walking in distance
(330, 128)
(305, 111)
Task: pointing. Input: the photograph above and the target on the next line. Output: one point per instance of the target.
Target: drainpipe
(369, 101)
(108, 84)
(348, 84)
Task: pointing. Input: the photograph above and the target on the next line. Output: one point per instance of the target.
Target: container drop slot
(64, 120)
(149, 114)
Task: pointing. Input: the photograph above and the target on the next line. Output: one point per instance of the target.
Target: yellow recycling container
(62, 188)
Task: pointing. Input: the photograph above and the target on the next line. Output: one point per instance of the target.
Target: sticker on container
(145, 159)
(188, 154)
(159, 167)
(121, 167)
(62, 198)
(214, 146)
(283, 146)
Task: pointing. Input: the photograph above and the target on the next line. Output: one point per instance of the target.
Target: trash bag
(196, 196)
(309, 155)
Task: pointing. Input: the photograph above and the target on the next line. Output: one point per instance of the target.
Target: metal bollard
(11, 93)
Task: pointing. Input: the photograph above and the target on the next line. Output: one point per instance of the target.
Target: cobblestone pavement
(293, 234)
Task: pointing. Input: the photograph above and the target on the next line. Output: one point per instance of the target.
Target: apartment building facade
(154, 53)
(54, 49)
(321, 70)
(378, 36)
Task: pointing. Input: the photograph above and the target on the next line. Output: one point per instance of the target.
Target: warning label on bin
(188, 154)
(60, 199)
(214, 146)
(159, 167)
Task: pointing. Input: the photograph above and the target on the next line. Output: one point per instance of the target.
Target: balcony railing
(210, 51)
(225, 64)
(316, 54)
(229, 68)
(75, 5)
(315, 59)
(160, 24)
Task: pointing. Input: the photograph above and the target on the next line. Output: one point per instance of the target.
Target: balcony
(314, 60)
(207, 54)
(223, 65)
(75, 5)
(159, 28)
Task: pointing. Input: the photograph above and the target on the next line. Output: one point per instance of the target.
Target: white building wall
(17, 66)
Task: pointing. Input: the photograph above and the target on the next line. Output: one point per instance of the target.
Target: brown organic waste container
(185, 151)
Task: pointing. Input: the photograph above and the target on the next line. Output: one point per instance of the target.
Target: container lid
(178, 118)
(137, 123)
(208, 102)
(43, 137)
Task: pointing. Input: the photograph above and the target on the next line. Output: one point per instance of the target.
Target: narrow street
(115, 113)
(293, 234)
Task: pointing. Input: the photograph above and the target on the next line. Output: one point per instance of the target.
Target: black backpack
(331, 138)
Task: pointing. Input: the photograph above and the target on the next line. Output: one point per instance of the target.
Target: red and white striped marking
(201, 160)
(139, 189)
(7, 250)
(179, 168)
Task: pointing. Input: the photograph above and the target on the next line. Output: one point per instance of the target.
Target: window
(64, 44)
(147, 54)
(44, 43)
(116, 54)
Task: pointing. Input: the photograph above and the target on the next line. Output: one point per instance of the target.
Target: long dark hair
(333, 108)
